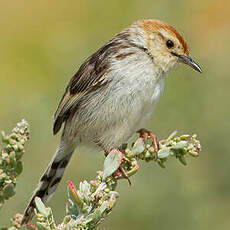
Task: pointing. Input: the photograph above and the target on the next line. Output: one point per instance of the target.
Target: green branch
(93, 201)
(10, 159)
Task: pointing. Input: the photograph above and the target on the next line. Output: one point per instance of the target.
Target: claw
(144, 133)
(124, 174)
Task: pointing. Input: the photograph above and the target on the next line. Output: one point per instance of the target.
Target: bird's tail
(50, 180)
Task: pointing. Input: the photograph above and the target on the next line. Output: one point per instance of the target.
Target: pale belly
(135, 116)
(115, 120)
(112, 115)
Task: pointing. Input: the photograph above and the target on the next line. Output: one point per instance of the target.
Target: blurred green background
(43, 43)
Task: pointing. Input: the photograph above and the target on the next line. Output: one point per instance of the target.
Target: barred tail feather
(50, 180)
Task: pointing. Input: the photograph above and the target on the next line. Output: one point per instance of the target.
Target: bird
(113, 94)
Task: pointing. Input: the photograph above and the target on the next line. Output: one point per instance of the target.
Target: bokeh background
(42, 44)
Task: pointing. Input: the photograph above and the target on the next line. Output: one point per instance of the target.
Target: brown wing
(91, 75)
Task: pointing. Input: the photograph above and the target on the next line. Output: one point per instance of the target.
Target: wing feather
(90, 76)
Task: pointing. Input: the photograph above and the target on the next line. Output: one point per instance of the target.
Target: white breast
(115, 114)
(134, 91)
(136, 78)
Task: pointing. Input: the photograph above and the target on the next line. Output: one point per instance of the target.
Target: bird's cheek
(172, 64)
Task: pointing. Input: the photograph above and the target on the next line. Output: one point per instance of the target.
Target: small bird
(112, 95)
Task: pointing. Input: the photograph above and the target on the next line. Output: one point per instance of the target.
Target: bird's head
(166, 45)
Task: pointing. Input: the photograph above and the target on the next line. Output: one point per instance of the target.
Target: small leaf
(8, 191)
(172, 135)
(12, 157)
(185, 137)
(138, 147)
(89, 218)
(93, 217)
(112, 162)
(193, 153)
(67, 219)
(96, 215)
(72, 192)
(18, 168)
(180, 145)
(40, 206)
(148, 155)
(161, 164)
(182, 160)
(84, 188)
(163, 153)
(133, 170)
(112, 200)
(103, 206)
(71, 208)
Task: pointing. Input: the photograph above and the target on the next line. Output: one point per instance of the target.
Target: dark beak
(189, 61)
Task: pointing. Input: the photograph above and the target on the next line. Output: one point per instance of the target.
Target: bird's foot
(121, 173)
(145, 134)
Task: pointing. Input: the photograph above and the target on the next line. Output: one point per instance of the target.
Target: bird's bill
(188, 61)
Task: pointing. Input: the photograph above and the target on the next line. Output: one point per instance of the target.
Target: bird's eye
(169, 44)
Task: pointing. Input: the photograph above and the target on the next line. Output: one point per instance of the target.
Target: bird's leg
(121, 171)
(145, 134)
